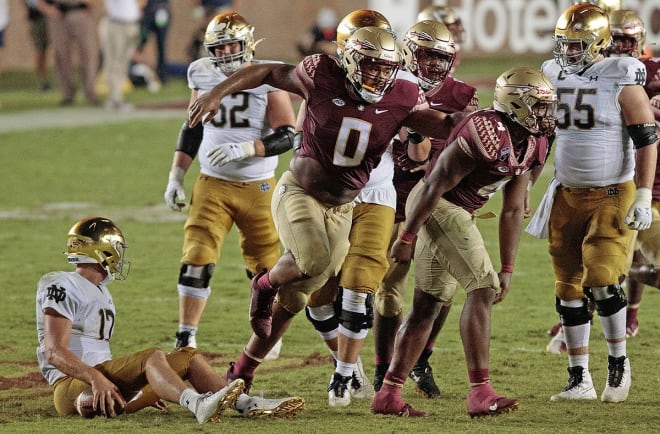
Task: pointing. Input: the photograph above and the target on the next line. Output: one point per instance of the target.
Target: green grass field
(52, 176)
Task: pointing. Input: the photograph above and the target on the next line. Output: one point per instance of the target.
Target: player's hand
(204, 104)
(401, 252)
(107, 397)
(505, 284)
(175, 196)
(407, 164)
(227, 152)
(639, 215)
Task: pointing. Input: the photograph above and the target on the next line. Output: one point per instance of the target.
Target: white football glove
(639, 216)
(175, 196)
(226, 152)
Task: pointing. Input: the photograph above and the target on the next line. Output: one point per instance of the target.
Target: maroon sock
(263, 282)
(392, 384)
(245, 366)
(479, 376)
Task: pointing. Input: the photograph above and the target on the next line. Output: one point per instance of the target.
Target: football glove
(175, 196)
(227, 152)
(639, 216)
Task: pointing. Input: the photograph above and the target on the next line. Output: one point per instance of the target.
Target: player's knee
(324, 320)
(194, 280)
(608, 299)
(574, 315)
(313, 267)
(355, 312)
(388, 303)
(293, 301)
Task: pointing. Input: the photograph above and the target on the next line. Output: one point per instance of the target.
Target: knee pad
(356, 313)
(573, 316)
(194, 280)
(608, 299)
(324, 320)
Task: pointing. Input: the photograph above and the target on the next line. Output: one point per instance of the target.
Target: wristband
(407, 237)
(506, 268)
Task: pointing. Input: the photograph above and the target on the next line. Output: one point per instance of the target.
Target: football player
(605, 160)
(629, 39)
(488, 150)
(429, 53)
(354, 107)
(75, 321)
(446, 15)
(238, 151)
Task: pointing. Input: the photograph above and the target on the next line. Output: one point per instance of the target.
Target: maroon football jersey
(346, 136)
(452, 96)
(484, 137)
(652, 73)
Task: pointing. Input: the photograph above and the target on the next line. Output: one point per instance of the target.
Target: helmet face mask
(528, 98)
(429, 52)
(371, 60)
(225, 29)
(98, 240)
(356, 20)
(581, 34)
(628, 34)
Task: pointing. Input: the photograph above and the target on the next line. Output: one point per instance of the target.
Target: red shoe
(554, 329)
(261, 308)
(385, 403)
(484, 401)
(230, 376)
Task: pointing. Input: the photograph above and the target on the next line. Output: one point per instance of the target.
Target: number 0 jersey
(241, 118)
(593, 147)
(90, 310)
(346, 136)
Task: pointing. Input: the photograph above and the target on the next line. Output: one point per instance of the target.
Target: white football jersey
(593, 145)
(379, 189)
(90, 310)
(241, 118)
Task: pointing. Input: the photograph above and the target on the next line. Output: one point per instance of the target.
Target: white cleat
(338, 394)
(258, 406)
(579, 386)
(274, 352)
(618, 379)
(212, 405)
(360, 387)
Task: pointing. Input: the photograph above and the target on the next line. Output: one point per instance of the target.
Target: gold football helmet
(227, 28)
(371, 60)
(429, 52)
(448, 17)
(628, 34)
(581, 34)
(357, 19)
(607, 5)
(97, 240)
(528, 98)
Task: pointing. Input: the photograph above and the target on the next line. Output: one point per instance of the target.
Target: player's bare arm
(56, 340)
(282, 76)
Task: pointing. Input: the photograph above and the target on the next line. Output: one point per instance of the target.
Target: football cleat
(230, 375)
(212, 405)
(579, 386)
(422, 375)
(261, 307)
(274, 352)
(557, 344)
(618, 379)
(379, 375)
(359, 387)
(258, 406)
(385, 403)
(484, 401)
(338, 394)
(185, 339)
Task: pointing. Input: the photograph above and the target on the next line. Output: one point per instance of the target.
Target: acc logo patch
(338, 102)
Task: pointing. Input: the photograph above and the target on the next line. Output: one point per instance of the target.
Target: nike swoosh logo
(493, 407)
(380, 111)
(435, 104)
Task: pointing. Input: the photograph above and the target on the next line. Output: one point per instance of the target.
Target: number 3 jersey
(241, 118)
(90, 310)
(593, 146)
